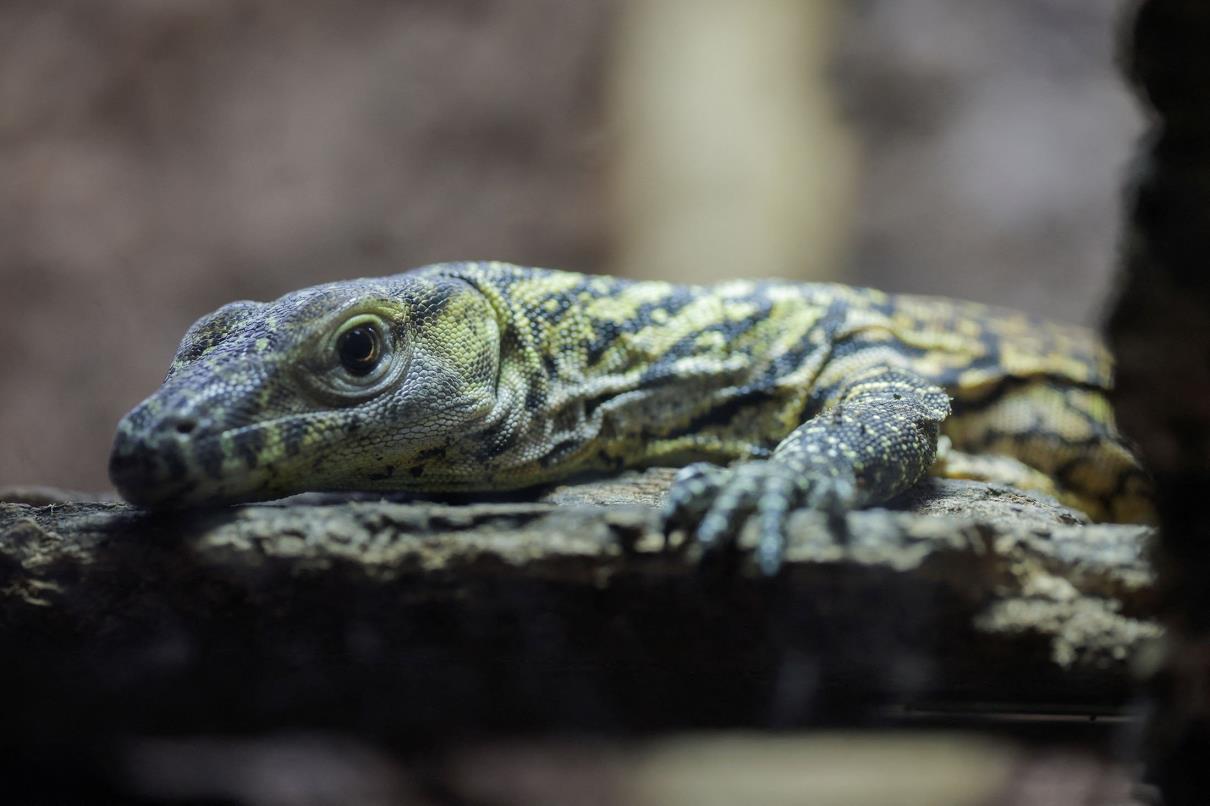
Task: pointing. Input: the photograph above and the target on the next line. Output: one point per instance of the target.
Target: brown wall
(160, 159)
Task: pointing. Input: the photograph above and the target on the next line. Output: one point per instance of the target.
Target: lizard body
(487, 376)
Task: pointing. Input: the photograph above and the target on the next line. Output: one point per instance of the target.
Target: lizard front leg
(876, 440)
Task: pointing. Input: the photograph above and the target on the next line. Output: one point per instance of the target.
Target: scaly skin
(492, 376)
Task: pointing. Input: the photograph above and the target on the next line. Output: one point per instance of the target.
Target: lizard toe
(776, 502)
(766, 491)
(690, 496)
(834, 495)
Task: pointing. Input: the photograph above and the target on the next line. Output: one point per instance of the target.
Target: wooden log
(409, 621)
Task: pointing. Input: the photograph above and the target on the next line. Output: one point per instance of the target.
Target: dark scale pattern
(878, 440)
(494, 376)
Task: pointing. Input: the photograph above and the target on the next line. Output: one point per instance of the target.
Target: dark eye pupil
(358, 348)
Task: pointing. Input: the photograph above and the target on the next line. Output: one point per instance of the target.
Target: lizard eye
(358, 359)
(360, 349)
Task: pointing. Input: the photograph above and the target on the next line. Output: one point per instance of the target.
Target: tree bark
(409, 621)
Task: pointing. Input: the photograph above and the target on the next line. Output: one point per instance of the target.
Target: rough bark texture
(414, 620)
(417, 626)
(1160, 332)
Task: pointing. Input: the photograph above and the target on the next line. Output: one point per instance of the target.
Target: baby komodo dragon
(488, 376)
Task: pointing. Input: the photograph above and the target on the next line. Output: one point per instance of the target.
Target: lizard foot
(712, 504)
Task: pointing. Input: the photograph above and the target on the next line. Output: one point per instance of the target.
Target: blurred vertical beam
(1160, 334)
(730, 159)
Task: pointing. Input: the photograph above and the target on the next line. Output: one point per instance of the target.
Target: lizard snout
(150, 460)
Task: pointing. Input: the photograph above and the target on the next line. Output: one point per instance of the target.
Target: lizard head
(360, 384)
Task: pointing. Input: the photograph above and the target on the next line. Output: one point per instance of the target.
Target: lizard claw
(689, 496)
(713, 504)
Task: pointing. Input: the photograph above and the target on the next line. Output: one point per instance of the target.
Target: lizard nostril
(184, 425)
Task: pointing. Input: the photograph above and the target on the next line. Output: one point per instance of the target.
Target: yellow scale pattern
(492, 376)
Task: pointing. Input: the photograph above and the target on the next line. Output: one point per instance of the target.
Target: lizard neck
(601, 372)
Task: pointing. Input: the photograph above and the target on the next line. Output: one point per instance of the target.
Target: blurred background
(158, 159)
